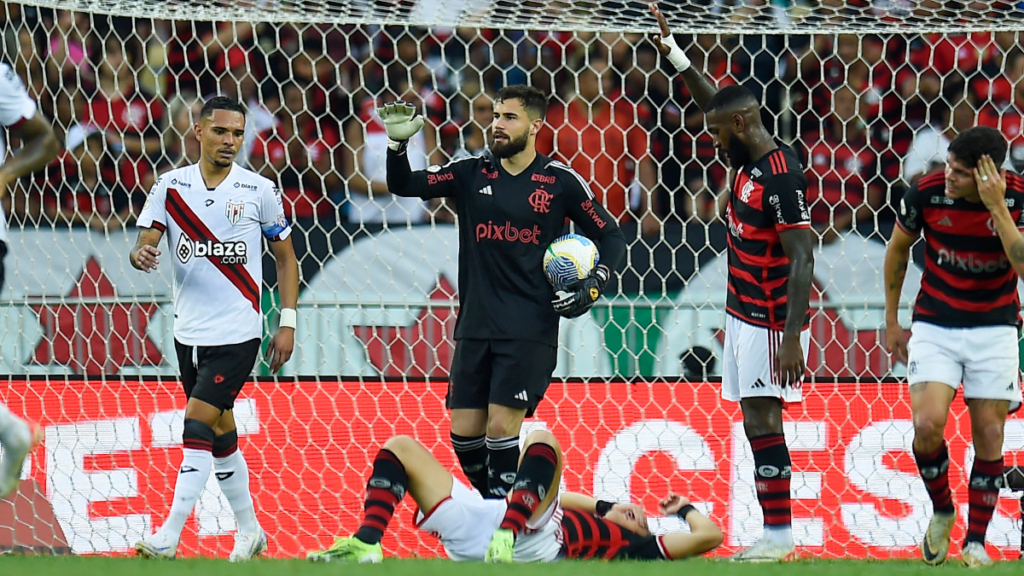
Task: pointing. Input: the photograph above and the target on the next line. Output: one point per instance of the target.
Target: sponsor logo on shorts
(912, 368)
(522, 396)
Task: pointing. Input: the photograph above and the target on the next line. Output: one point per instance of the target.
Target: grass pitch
(94, 566)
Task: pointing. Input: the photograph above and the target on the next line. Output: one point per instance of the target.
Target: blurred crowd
(868, 114)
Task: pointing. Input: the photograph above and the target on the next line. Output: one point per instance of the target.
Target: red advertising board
(109, 461)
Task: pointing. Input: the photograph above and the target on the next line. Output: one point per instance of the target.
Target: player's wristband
(288, 318)
(603, 507)
(685, 510)
(675, 54)
(399, 146)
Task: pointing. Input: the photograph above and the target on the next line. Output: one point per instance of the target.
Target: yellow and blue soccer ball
(569, 258)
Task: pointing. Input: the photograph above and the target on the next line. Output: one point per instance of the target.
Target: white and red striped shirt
(215, 243)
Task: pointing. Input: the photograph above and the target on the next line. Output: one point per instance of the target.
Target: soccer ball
(569, 258)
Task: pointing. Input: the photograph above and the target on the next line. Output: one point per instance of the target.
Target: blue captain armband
(278, 229)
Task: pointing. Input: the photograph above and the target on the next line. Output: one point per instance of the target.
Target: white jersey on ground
(215, 241)
(16, 106)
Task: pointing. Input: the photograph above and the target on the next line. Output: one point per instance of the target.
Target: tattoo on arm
(1017, 251)
(901, 273)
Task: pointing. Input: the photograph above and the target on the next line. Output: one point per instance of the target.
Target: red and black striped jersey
(968, 279)
(587, 536)
(768, 197)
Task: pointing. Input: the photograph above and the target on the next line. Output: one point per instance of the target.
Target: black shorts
(513, 373)
(216, 374)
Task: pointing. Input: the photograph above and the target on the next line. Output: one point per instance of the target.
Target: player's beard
(511, 148)
(739, 156)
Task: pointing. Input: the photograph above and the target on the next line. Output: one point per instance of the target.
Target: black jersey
(506, 223)
(968, 279)
(768, 197)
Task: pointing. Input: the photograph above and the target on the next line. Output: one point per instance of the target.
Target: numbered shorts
(216, 374)
(749, 367)
(464, 523)
(513, 373)
(984, 359)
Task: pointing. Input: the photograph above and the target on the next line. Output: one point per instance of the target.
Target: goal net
(868, 94)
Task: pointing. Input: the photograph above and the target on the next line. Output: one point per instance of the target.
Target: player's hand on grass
(672, 503)
(400, 122)
(666, 44)
(896, 342)
(991, 183)
(573, 300)
(630, 517)
(146, 258)
(789, 362)
(280, 349)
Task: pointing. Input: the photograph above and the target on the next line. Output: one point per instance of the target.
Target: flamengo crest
(234, 211)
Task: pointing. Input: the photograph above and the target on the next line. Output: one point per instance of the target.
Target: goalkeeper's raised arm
(401, 122)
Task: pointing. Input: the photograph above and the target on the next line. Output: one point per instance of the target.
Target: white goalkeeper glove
(400, 122)
(675, 54)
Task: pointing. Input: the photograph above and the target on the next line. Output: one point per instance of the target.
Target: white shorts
(985, 359)
(748, 370)
(464, 523)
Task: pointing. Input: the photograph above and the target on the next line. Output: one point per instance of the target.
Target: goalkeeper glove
(675, 54)
(400, 122)
(575, 299)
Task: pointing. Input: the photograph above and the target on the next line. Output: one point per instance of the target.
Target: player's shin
(934, 470)
(232, 474)
(472, 454)
(196, 464)
(502, 459)
(983, 491)
(533, 480)
(384, 490)
(772, 474)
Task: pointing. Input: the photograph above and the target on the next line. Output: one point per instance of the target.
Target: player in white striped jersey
(39, 146)
(216, 214)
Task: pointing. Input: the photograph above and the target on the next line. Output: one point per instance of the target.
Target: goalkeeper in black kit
(512, 203)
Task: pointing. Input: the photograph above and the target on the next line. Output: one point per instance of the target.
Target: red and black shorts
(216, 374)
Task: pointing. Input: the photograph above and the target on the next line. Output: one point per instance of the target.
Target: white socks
(233, 479)
(781, 535)
(192, 476)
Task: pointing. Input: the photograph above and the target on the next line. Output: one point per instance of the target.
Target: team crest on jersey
(540, 200)
(234, 211)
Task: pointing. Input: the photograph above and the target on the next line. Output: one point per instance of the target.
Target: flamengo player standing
(965, 324)
(771, 263)
(216, 215)
(18, 113)
(512, 202)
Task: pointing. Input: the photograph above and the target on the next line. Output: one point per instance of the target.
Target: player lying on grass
(536, 523)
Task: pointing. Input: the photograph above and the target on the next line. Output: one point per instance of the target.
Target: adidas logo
(522, 396)
(486, 190)
(758, 384)
(945, 222)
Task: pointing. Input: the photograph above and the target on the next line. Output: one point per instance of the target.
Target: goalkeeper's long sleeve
(403, 181)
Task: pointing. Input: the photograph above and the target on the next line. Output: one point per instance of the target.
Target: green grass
(73, 566)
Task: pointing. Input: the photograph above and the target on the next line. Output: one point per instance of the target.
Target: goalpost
(863, 91)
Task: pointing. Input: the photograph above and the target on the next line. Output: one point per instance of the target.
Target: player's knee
(928, 429)
(197, 435)
(225, 444)
(400, 445)
(988, 436)
(761, 416)
(502, 423)
(541, 437)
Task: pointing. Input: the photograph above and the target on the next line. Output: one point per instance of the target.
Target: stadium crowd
(868, 115)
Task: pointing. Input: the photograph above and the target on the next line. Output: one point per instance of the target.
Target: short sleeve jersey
(968, 280)
(768, 197)
(215, 240)
(16, 106)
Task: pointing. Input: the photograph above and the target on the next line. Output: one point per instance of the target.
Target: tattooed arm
(897, 257)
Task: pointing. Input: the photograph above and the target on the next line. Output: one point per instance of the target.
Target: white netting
(868, 110)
